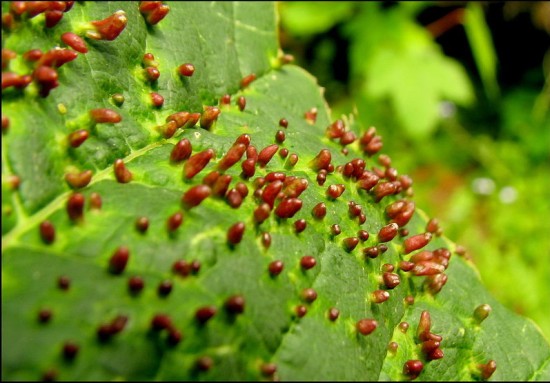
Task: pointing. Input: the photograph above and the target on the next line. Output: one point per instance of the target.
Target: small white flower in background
(508, 194)
(447, 109)
(483, 186)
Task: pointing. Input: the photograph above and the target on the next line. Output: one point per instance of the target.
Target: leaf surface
(225, 42)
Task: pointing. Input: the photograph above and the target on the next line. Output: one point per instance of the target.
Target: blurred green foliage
(460, 92)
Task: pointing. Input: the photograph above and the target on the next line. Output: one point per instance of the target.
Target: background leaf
(399, 61)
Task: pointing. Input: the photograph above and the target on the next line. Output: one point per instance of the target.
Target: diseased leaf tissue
(178, 205)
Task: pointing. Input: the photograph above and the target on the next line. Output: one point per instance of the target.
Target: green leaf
(101, 324)
(400, 61)
(304, 18)
(417, 82)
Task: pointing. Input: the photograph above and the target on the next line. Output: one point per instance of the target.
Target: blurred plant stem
(541, 106)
